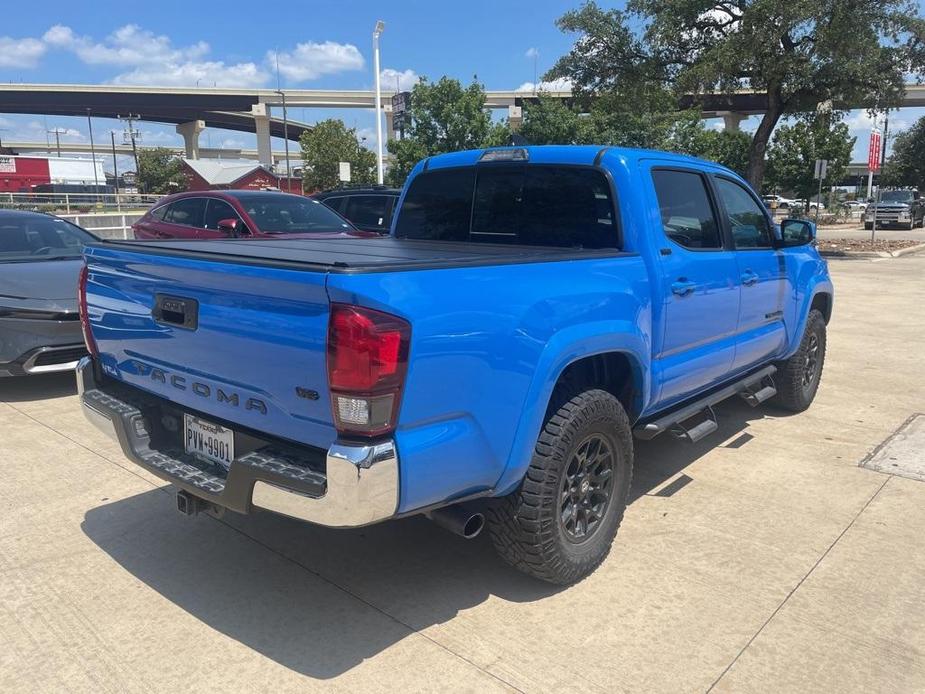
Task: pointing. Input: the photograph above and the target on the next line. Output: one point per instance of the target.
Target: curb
(872, 255)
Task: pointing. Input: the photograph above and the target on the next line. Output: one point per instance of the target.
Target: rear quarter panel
(487, 346)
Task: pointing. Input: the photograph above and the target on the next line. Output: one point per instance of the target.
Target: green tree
(727, 147)
(326, 145)
(445, 117)
(160, 171)
(906, 164)
(795, 148)
(549, 121)
(799, 52)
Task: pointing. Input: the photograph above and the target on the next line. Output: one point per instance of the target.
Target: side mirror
(796, 232)
(228, 226)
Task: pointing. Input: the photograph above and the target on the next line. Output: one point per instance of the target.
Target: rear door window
(188, 211)
(564, 206)
(685, 209)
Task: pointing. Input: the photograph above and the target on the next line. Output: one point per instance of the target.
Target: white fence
(76, 203)
(106, 224)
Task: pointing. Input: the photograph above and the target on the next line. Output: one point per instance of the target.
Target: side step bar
(754, 388)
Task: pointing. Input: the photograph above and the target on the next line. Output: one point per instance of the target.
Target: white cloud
(559, 85)
(311, 60)
(203, 73)
(20, 53)
(129, 45)
(532, 53)
(154, 60)
(230, 143)
(405, 79)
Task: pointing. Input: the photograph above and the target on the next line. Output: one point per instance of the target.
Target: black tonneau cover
(352, 255)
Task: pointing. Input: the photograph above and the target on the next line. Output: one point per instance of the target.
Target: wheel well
(612, 372)
(823, 302)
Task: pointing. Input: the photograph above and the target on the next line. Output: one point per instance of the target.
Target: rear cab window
(531, 205)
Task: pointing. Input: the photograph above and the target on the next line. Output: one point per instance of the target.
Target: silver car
(40, 261)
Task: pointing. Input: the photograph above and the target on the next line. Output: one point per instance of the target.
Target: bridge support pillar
(731, 120)
(515, 117)
(190, 132)
(261, 115)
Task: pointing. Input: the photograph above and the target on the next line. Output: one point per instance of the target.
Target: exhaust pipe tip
(473, 526)
(459, 520)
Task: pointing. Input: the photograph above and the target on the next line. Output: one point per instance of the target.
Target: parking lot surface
(764, 558)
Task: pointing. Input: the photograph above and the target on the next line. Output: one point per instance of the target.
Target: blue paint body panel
(488, 340)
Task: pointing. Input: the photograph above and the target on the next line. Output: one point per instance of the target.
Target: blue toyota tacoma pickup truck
(491, 361)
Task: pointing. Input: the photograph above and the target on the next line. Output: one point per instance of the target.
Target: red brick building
(234, 174)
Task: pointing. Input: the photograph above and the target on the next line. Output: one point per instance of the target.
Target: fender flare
(817, 285)
(563, 349)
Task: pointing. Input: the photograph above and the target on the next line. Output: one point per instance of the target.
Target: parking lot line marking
(797, 586)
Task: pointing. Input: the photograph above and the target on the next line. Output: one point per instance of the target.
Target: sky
(321, 45)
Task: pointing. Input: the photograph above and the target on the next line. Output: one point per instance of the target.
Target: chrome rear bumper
(359, 486)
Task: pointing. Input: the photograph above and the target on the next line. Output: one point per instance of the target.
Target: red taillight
(367, 360)
(84, 315)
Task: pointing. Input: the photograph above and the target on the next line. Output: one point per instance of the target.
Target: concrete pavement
(761, 559)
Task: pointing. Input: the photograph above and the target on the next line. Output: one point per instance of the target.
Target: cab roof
(560, 154)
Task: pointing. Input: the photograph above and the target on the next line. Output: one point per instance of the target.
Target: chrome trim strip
(30, 368)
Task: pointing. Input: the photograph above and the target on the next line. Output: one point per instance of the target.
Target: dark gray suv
(369, 209)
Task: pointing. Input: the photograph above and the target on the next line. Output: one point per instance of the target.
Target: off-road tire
(868, 227)
(794, 391)
(527, 528)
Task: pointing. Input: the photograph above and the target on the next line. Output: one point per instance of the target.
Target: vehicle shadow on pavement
(315, 600)
(320, 601)
(666, 457)
(38, 387)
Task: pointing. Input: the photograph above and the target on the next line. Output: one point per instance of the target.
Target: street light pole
(286, 139)
(96, 178)
(377, 32)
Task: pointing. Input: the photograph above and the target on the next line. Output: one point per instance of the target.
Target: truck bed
(360, 255)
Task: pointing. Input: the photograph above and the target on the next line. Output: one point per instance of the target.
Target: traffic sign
(822, 166)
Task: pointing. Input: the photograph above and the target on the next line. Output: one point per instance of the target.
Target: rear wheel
(798, 377)
(559, 525)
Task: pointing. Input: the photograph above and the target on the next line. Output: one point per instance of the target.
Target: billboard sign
(7, 165)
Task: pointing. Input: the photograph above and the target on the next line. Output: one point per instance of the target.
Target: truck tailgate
(242, 343)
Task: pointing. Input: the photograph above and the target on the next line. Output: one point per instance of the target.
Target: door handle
(683, 287)
(749, 278)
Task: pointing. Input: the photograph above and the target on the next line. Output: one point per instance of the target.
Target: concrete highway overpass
(192, 109)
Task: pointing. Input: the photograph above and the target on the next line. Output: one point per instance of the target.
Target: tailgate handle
(176, 310)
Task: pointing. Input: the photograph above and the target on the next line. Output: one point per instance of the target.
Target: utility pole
(115, 166)
(131, 133)
(96, 178)
(57, 133)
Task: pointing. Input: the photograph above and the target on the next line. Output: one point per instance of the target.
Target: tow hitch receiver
(190, 505)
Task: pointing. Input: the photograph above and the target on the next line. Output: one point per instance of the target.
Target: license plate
(207, 440)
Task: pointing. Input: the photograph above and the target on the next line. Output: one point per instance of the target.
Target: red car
(241, 214)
